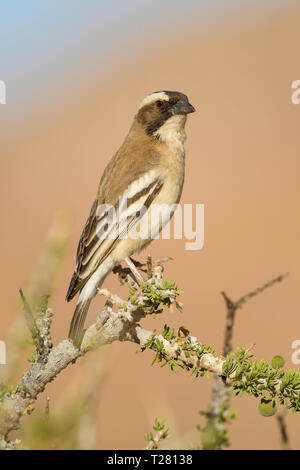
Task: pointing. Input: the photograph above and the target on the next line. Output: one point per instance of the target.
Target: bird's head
(163, 109)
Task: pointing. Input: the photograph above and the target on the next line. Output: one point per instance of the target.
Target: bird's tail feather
(77, 323)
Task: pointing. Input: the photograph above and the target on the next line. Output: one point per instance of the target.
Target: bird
(146, 172)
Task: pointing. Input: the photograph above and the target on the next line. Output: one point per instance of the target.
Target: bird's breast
(172, 172)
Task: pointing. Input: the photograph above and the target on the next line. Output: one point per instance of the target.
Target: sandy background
(242, 163)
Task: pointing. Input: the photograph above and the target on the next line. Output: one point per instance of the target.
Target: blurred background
(75, 74)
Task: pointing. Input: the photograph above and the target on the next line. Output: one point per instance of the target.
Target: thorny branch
(220, 397)
(119, 321)
(232, 307)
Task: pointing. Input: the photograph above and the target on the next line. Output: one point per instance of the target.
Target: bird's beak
(183, 107)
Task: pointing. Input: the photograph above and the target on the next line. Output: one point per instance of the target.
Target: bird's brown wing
(76, 283)
(95, 245)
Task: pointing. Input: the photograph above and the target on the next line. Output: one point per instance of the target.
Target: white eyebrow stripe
(161, 95)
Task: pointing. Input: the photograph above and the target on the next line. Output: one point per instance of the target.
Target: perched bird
(146, 172)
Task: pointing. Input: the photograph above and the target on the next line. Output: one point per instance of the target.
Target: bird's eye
(159, 103)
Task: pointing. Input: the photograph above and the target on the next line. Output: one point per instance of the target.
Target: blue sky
(44, 41)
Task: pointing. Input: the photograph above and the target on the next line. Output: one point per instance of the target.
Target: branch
(284, 439)
(218, 414)
(123, 325)
(161, 434)
(232, 307)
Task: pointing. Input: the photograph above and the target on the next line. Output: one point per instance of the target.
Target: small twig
(31, 323)
(161, 434)
(163, 260)
(220, 395)
(285, 444)
(47, 409)
(259, 290)
(149, 267)
(29, 317)
(232, 307)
